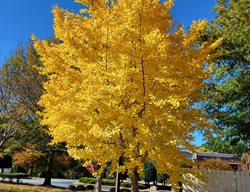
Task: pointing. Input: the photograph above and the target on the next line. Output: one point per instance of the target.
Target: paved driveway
(62, 183)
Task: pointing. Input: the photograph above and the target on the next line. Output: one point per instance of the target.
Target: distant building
(230, 159)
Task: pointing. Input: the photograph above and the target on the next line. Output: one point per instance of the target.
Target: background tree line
(21, 134)
(228, 91)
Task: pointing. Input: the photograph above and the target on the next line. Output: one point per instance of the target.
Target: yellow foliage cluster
(122, 82)
(214, 164)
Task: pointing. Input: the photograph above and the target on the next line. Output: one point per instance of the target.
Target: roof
(229, 158)
(220, 155)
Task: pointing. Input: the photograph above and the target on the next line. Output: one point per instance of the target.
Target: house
(230, 159)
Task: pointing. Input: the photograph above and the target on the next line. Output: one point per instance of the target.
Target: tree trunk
(134, 181)
(99, 183)
(48, 175)
(31, 169)
(118, 176)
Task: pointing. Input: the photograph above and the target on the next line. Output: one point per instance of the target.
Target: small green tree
(150, 173)
(162, 178)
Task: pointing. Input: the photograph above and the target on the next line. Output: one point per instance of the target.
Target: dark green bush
(71, 187)
(112, 189)
(125, 190)
(126, 185)
(90, 187)
(18, 169)
(121, 190)
(161, 187)
(162, 178)
(150, 172)
(80, 188)
(141, 186)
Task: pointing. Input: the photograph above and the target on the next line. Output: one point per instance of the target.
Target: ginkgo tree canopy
(122, 83)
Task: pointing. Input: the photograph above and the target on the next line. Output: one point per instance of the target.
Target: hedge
(109, 182)
(81, 188)
(125, 190)
(90, 187)
(90, 180)
(13, 175)
(71, 187)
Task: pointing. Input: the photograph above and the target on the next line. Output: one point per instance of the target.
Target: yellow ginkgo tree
(122, 82)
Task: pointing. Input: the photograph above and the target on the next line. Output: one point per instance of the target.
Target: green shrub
(121, 190)
(80, 188)
(150, 173)
(112, 189)
(90, 187)
(125, 190)
(11, 176)
(88, 180)
(162, 178)
(92, 181)
(141, 186)
(14, 175)
(126, 185)
(71, 187)
(108, 182)
(161, 187)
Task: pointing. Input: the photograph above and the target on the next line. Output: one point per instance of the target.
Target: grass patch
(6, 187)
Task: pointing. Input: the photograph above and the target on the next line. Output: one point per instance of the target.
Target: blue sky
(20, 18)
